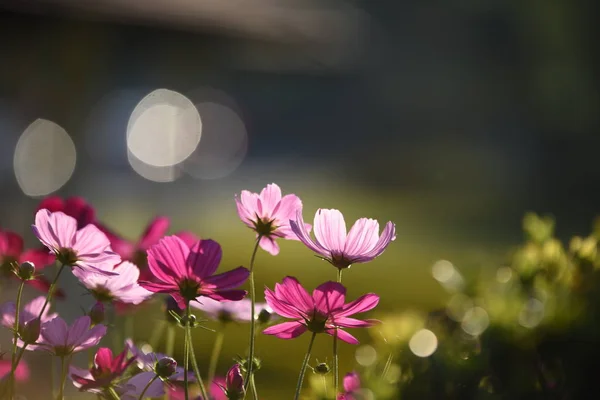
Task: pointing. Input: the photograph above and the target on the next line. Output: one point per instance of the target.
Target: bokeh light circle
(423, 343)
(44, 158)
(164, 129)
(475, 321)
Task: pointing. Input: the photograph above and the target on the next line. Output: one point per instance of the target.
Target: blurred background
(451, 118)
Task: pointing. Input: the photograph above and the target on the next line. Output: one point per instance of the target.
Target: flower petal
(346, 322)
(230, 279)
(387, 236)
(329, 296)
(54, 332)
(77, 331)
(167, 259)
(203, 258)
(281, 308)
(269, 245)
(343, 335)
(154, 232)
(270, 197)
(362, 237)
(299, 227)
(286, 330)
(330, 230)
(364, 303)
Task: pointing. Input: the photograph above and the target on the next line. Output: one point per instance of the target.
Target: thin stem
(214, 357)
(188, 334)
(304, 365)
(15, 338)
(336, 367)
(51, 290)
(147, 386)
(63, 378)
(253, 387)
(112, 393)
(186, 358)
(324, 378)
(252, 315)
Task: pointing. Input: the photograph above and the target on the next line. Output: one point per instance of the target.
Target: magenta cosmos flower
(28, 315)
(238, 311)
(123, 287)
(12, 252)
(186, 273)
(21, 372)
(268, 214)
(103, 374)
(75, 207)
(361, 244)
(351, 387)
(323, 312)
(62, 340)
(87, 248)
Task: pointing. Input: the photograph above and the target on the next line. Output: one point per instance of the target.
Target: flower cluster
(121, 274)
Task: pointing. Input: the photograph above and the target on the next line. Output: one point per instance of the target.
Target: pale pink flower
(351, 387)
(186, 273)
(62, 340)
(28, 313)
(323, 312)
(238, 311)
(87, 248)
(268, 214)
(360, 245)
(123, 287)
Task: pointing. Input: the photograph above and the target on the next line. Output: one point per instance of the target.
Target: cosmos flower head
(362, 244)
(86, 248)
(268, 214)
(187, 273)
(326, 311)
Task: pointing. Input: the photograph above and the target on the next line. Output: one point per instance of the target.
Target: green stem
(336, 368)
(252, 317)
(188, 334)
(170, 347)
(304, 365)
(253, 387)
(63, 378)
(15, 338)
(147, 386)
(214, 357)
(388, 363)
(112, 393)
(186, 358)
(51, 290)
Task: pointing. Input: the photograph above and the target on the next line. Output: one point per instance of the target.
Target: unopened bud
(264, 316)
(321, 369)
(191, 320)
(26, 271)
(235, 383)
(30, 332)
(97, 313)
(165, 367)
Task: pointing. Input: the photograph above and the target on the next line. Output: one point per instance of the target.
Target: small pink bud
(165, 367)
(235, 383)
(97, 313)
(30, 332)
(26, 271)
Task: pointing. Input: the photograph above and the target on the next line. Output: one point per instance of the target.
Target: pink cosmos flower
(21, 372)
(123, 287)
(28, 314)
(238, 311)
(75, 207)
(361, 244)
(12, 251)
(87, 248)
(351, 387)
(268, 214)
(186, 273)
(103, 373)
(62, 340)
(325, 311)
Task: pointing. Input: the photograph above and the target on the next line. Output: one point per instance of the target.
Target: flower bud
(26, 271)
(264, 316)
(191, 320)
(97, 313)
(321, 369)
(30, 332)
(235, 383)
(165, 367)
